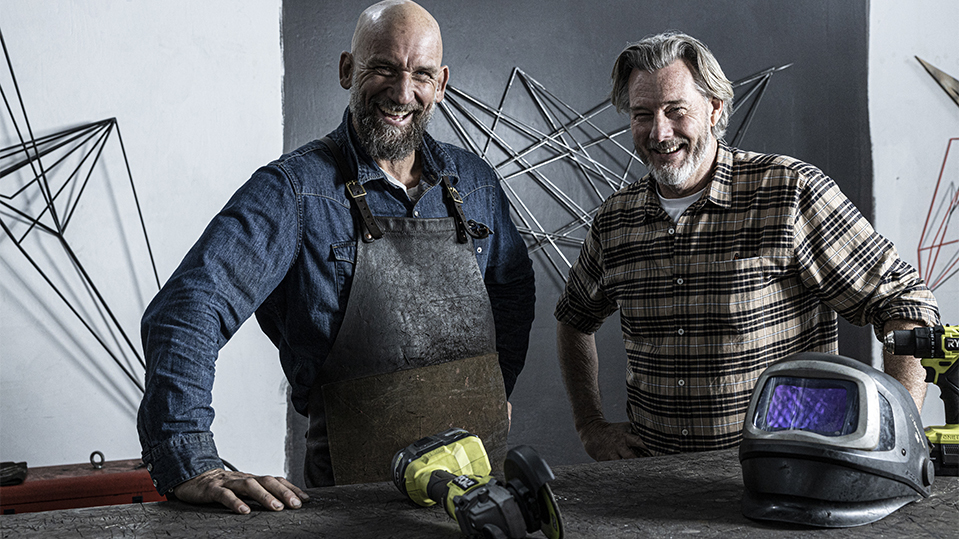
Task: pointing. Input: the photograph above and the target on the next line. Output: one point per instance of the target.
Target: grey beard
(385, 142)
(676, 177)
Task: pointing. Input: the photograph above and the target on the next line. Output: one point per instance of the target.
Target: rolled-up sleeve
(850, 266)
(584, 304)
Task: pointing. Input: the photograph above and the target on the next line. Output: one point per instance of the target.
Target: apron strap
(370, 230)
(463, 227)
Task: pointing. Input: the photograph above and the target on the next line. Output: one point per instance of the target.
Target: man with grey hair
(720, 262)
(384, 266)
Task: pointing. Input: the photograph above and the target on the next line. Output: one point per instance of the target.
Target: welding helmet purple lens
(829, 407)
(829, 441)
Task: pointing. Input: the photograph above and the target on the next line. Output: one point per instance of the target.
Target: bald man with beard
(382, 264)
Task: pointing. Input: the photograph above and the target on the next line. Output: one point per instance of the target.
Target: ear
(716, 111)
(441, 84)
(346, 70)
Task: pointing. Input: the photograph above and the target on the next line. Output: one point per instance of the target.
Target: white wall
(196, 88)
(911, 119)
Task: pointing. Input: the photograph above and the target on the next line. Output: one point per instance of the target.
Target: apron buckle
(355, 188)
(454, 194)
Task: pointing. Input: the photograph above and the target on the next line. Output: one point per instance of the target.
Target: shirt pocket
(344, 261)
(737, 295)
(481, 248)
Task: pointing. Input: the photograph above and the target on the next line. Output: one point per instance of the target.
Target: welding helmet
(830, 441)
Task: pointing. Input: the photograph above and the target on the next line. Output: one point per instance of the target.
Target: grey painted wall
(816, 111)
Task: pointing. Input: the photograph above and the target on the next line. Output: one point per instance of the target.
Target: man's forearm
(906, 369)
(579, 363)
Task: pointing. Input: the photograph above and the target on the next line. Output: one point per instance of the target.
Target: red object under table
(79, 485)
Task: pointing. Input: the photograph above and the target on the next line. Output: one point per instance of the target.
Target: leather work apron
(414, 356)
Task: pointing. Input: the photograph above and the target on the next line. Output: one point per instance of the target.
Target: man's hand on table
(611, 441)
(221, 486)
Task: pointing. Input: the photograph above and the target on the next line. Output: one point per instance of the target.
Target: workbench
(691, 495)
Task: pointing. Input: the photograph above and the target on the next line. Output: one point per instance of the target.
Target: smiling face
(671, 123)
(395, 78)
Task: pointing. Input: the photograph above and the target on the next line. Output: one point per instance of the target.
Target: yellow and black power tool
(938, 350)
(453, 468)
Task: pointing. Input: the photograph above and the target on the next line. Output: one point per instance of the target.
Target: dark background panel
(816, 111)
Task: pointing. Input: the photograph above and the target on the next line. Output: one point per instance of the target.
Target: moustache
(668, 145)
(392, 107)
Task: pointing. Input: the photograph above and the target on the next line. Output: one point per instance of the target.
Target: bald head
(391, 18)
(396, 76)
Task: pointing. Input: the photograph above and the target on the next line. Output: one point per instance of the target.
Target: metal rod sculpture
(941, 210)
(76, 153)
(567, 138)
(936, 263)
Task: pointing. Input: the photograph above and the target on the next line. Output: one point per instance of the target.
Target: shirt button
(416, 213)
(680, 331)
(685, 432)
(149, 467)
(681, 383)
(671, 231)
(479, 249)
(680, 281)
(154, 483)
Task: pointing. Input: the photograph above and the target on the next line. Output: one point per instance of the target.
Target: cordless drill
(453, 468)
(938, 350)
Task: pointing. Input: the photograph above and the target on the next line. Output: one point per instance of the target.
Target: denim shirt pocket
(481, 248)
(344, 261)
(478, 206)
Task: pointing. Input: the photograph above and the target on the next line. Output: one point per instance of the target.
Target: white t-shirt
(676, 206)
(414, 192)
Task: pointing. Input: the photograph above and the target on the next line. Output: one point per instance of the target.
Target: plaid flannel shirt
(752, 272)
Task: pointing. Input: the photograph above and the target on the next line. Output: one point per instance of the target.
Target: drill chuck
(917, 342)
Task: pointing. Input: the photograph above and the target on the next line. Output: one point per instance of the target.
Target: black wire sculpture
(38, 196)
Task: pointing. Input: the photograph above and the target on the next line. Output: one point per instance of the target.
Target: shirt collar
(721, 185)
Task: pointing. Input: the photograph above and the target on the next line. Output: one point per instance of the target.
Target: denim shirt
(283, 248)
